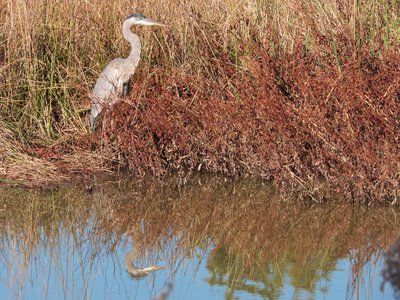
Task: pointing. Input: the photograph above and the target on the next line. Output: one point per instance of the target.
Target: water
(216, 239)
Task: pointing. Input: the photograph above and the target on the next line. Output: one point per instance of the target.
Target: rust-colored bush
(322, 125)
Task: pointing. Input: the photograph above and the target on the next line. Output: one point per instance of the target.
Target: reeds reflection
(239, 235)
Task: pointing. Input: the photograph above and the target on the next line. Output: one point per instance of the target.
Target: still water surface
(216, 239)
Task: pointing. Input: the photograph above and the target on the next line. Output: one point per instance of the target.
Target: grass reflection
(252, 241)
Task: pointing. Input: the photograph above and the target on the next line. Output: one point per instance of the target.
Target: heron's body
(114, 81)
(110, 85)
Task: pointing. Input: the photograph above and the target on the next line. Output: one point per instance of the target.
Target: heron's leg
(94, 113)
(126, 88)
(92, 122)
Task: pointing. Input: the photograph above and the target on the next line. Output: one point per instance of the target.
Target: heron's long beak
(149, 22)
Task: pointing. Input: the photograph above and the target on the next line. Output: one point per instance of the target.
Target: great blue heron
(114, 81)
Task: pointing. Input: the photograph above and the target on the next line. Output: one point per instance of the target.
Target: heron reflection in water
(135, 272)
(114, 81)
(140, 273)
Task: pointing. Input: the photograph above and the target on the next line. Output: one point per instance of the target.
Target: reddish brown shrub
(322, 125)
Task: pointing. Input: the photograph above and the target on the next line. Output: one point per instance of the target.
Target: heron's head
(140, 19)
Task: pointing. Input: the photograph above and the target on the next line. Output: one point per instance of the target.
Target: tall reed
(52, 52)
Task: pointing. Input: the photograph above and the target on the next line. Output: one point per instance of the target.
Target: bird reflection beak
(150, 22)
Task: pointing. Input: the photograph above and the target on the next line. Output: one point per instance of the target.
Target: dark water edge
(217, 239)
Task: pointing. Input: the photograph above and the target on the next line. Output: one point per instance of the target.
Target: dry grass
(279, 65)
(19, 168)
(51, 52)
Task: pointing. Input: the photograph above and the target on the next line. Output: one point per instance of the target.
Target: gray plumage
(114, 81)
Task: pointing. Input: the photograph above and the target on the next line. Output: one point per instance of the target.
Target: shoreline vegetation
(305, 94)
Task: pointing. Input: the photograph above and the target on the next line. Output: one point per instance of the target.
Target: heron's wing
(107, 88)
(109, 83)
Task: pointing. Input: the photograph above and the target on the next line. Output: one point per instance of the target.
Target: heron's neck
(134, 40)
(129, 259)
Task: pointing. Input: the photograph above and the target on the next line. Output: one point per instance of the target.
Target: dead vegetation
(296, 120)
(306, 95)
